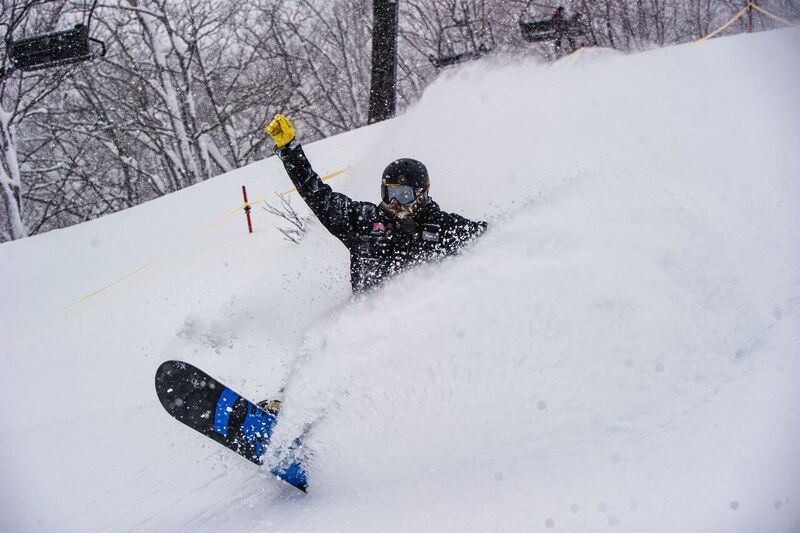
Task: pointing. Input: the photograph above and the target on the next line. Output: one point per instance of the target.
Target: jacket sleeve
(458, 231)
(334, 210)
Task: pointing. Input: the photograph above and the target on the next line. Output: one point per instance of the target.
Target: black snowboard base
(209, 407)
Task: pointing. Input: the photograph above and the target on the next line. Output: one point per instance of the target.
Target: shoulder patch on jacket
(378, 228)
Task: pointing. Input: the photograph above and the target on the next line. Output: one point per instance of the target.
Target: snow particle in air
(778, 504)
(734, 505)
(629, 363)
(602, 506)
(659, 368)
(574, 507)
(542, 405)
(550, 522)
(178, 402)
(613, 520)
(498, 476)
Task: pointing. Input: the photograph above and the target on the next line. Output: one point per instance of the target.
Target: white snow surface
(618, 352)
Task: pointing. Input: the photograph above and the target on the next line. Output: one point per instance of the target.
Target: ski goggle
(404, 194)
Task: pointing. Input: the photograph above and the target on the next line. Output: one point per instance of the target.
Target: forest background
(185, 87)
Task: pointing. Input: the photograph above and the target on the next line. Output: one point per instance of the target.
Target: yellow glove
(281, 131)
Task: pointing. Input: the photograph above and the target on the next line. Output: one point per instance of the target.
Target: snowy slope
(619, 352)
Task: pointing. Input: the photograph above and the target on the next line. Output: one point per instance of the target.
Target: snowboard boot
(270, 406)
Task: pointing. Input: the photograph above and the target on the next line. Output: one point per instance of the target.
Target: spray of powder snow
(601, 311)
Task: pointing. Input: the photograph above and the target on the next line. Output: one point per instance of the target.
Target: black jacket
(380, 244)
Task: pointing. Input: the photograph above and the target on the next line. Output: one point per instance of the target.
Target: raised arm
(334, 210)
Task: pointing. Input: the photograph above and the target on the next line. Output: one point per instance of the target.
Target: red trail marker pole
(247, 210)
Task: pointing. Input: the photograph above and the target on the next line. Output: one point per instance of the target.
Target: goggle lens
(404, 194)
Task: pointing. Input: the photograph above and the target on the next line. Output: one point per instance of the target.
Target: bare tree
(21, 96)
(298, 225)
(325, 50)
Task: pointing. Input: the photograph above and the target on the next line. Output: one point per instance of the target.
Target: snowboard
(220, 413)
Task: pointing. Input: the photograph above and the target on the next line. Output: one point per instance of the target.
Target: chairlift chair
(54, 49)
(536, 31)
(446, 54)
(549, 29)
(51, 49)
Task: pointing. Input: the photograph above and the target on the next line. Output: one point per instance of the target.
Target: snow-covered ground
(619, 352)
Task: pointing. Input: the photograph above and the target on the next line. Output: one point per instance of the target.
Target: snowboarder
(407, 228)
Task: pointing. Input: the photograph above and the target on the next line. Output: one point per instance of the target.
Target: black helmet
(406, 172)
